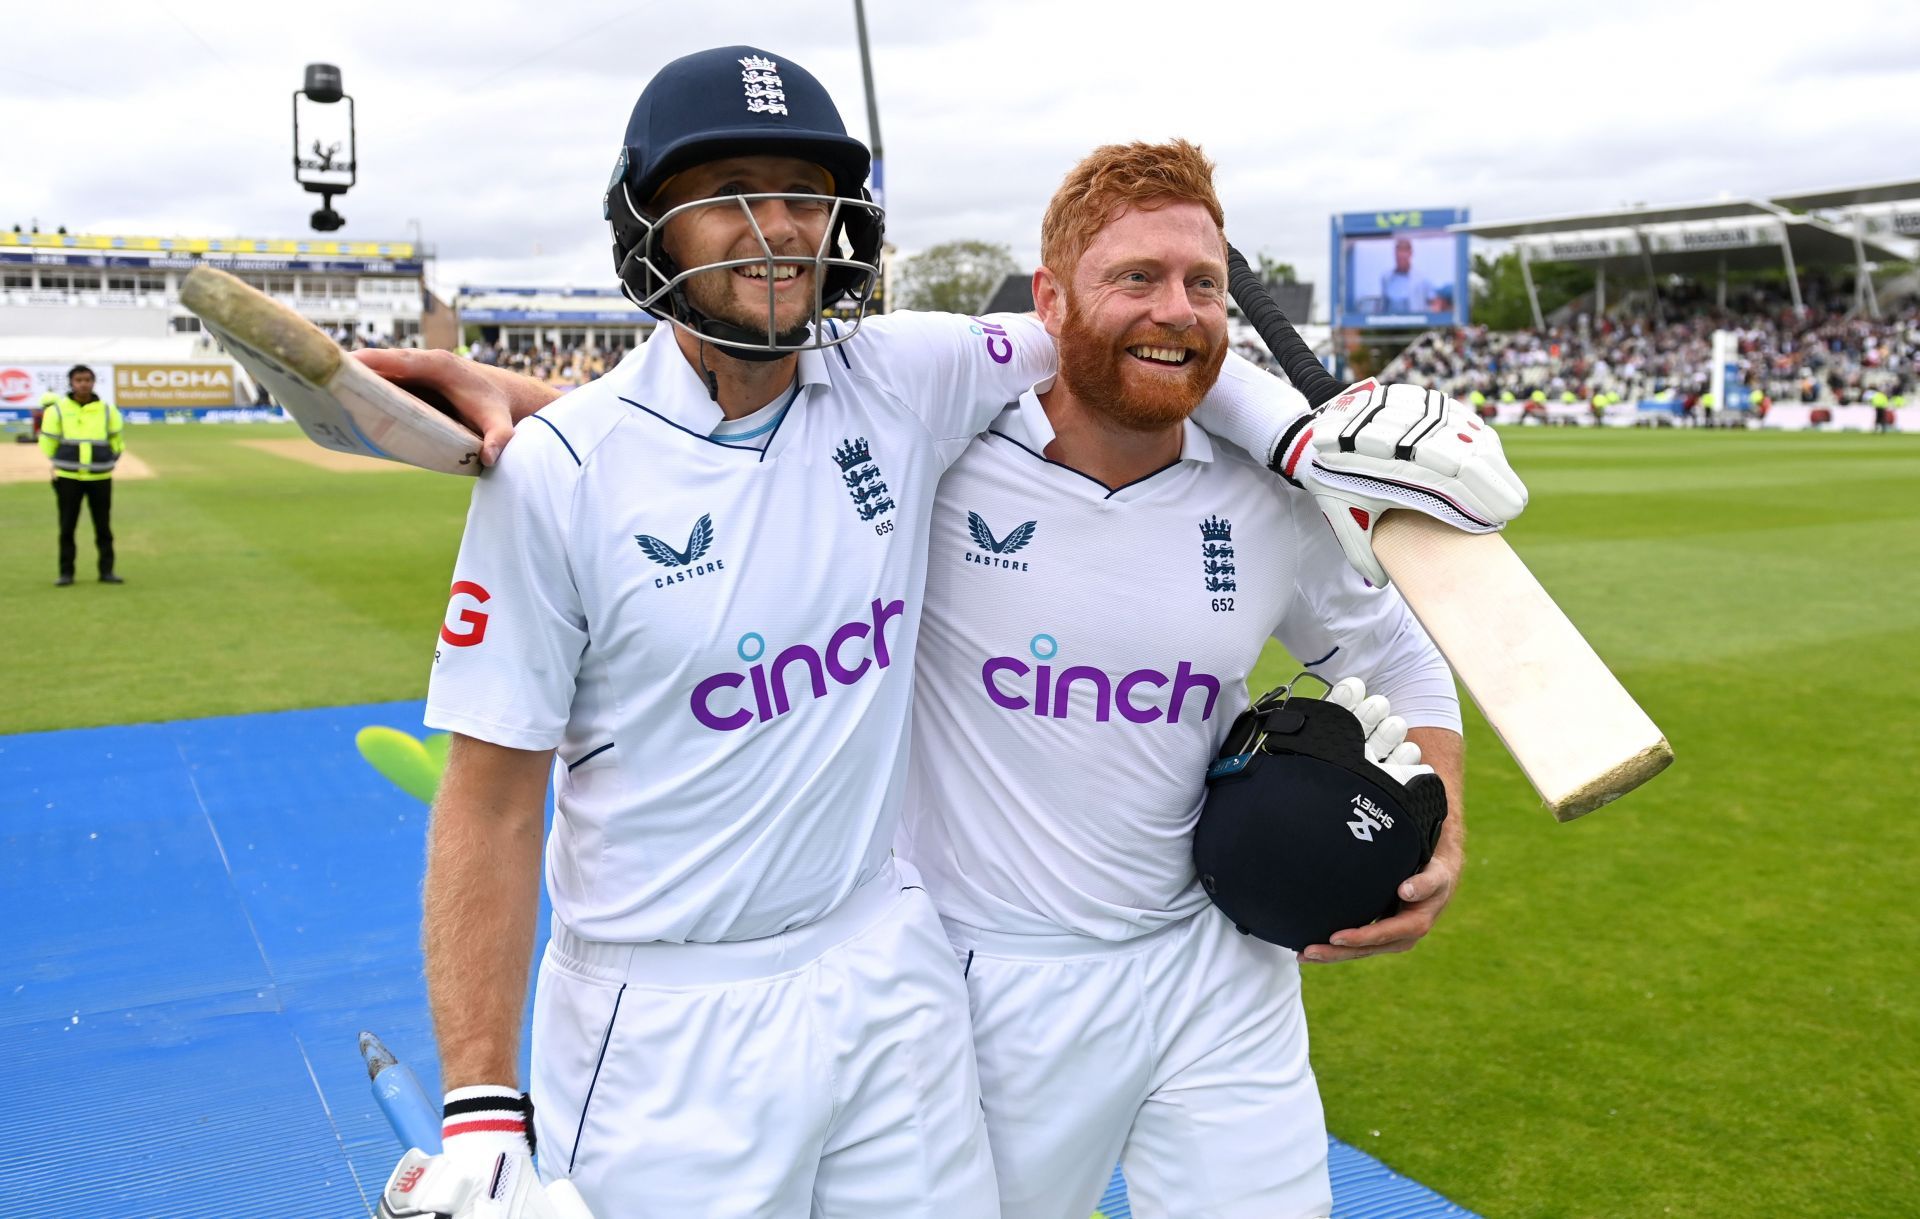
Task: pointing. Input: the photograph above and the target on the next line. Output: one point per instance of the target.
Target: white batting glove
(486, 1170)
(1376, 447)
(1387, 743)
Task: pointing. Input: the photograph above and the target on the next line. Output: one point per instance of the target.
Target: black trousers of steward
(97, 494)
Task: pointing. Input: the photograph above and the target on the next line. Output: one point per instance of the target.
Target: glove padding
(1375, 447)
(486, 1170)
(1387, 745)
(457, 1185)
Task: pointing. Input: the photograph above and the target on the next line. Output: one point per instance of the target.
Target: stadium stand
(1824, 357)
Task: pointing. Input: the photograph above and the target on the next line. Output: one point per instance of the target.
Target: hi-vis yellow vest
(83, 441)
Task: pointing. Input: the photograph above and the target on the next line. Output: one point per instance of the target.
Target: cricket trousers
(823, 1073)
(97, 495)
(1181, 1054)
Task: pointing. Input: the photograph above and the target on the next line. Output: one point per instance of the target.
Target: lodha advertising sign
(138, 385)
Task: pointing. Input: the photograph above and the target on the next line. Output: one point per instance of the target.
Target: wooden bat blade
(337, 402)
(1579, 737)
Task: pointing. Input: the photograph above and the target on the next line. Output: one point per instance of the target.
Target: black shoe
(110, 578)
(63, 581)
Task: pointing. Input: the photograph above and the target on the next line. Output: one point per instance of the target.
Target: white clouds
(495, 123)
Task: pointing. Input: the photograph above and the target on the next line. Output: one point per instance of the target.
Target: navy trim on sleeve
(587, 757)
(839, 349)
(563, 439)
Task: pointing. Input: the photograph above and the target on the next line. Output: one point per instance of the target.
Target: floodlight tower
(324, 159)
(873, 108)
(873, 137)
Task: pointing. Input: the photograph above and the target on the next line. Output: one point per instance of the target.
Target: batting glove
(1387, 743)
(1376, 447)
(486, 1170)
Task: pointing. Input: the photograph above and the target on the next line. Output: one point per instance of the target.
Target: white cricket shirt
(718, 639)
(1083, 652)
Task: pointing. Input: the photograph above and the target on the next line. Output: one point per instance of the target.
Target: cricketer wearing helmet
(1102, 579)
(691, 593)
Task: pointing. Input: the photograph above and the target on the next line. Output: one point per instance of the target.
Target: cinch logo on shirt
(996, 549)
(770, 698)
(1041, 690)
(999, 346)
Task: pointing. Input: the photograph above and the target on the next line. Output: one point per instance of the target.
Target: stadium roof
(112, 243)
(1848, 196)
(1014, 295)
(1620, 218)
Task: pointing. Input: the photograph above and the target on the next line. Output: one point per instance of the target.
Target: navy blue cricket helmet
(729, 102)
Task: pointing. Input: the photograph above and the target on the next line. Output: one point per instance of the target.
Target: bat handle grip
(414, 1118)
(1265, 316)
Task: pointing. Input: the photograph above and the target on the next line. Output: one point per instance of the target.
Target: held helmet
(1302, 835)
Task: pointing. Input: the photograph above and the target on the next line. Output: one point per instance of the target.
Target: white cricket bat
(1577, 734)
(337, 402)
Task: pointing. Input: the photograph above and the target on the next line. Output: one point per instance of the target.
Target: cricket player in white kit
(1103, 576)
(691, 593)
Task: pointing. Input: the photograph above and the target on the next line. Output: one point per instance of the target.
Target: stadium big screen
(1399, 268)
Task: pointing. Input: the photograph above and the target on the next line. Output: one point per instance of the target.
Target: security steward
(81, 433)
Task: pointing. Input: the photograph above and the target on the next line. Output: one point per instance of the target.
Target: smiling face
(794, 230)
(1142, 320)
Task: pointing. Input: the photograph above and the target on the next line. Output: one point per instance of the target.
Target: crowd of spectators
(1820, 355)
(564, 366)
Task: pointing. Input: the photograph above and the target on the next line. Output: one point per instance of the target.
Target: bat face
(1579, 737)
(337, 402)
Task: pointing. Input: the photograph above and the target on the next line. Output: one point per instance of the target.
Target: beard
(1100, 373)
(714, 294)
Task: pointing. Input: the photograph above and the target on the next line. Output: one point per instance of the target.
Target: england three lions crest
(760, 79)
(1216, 561)
(865, 485)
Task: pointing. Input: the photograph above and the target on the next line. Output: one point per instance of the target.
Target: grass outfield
(254, 583)
(1701, 1001)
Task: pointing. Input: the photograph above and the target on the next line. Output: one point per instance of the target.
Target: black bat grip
(1296, 359)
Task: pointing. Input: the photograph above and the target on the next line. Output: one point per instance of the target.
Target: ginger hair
(1114, 178)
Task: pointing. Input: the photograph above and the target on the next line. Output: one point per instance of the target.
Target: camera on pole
(323, 151)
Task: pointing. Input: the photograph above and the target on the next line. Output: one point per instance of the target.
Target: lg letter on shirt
(471, 625)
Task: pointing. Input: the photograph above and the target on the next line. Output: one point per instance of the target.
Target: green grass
(253, 583)
(1700, 1001)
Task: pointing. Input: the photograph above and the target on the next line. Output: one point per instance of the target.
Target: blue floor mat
(200, 919)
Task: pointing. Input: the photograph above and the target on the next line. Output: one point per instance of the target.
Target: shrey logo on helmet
(691, 113)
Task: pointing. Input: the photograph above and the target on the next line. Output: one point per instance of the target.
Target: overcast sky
(494, 123)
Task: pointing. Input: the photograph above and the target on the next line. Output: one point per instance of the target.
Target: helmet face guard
(845, 265)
